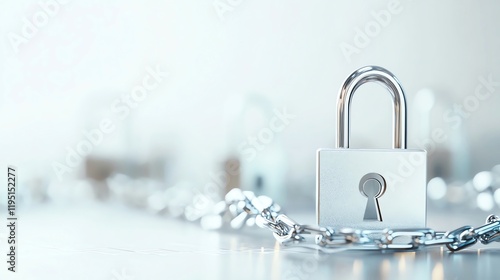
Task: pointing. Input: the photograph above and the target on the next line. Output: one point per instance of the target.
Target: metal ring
(378, 178)
(457, 235)
(352, 83)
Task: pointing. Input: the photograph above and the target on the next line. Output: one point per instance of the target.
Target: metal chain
(245, 208)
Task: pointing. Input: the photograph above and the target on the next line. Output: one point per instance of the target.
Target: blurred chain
(244, 207)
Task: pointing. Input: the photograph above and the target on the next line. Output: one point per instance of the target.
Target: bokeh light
(482, 180)
(485, 201)
(436, 188)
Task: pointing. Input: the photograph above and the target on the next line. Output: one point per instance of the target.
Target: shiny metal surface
(340, 204)
(373, 186)
(287, 231)
(112, 242)
(338, 174)
(352, 83)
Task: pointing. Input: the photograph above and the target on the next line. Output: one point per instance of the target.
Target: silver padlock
(371, 188)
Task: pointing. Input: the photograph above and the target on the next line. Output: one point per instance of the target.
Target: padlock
(371, 188)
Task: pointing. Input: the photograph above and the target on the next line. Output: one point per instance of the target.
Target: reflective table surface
(100, 241)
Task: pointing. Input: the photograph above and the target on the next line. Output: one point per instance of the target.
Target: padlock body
(340, 203)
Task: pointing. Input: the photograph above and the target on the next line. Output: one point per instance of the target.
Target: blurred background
(118, 114)
(126, 100)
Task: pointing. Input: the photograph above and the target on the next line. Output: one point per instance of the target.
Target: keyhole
(372, 185)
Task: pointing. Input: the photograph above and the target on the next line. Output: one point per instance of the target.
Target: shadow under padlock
(371, 188)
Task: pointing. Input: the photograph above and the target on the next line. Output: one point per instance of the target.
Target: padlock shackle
(352, 83)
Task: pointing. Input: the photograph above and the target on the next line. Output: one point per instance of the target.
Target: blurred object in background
(136, 192)
(232, 167)
(253, 137)
(481, 192)
(59, 85)
(446, 142)
(33, 191)
(98, 170)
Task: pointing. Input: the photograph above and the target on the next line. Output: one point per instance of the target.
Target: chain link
(244, 207)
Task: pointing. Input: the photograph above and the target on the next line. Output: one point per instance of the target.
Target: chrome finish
(288, 232)
(329, 240)
(462, 238)
(373, 186)
(352, 83)
(402, 171)
(339, 202)
(492, 218)
(490, 232)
